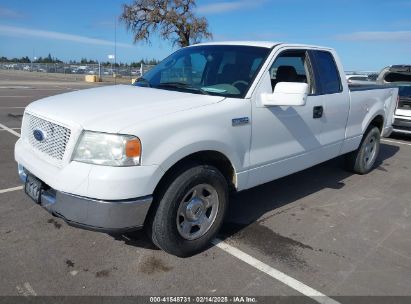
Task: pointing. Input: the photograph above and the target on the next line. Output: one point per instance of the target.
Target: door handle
(318, 112)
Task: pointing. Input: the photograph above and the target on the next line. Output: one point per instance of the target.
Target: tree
(48, 59)
(86, 61)
(171, 19)
(25, 59)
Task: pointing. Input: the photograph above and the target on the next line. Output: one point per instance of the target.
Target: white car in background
(358, 79)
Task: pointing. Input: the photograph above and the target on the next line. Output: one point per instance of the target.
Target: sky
(367, 34)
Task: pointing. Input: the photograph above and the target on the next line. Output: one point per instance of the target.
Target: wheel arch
(376, 121)
(206, 157)
(209, 157)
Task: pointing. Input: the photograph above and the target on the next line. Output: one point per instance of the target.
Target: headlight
(108, 149)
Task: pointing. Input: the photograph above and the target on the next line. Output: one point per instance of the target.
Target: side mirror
(286, 94)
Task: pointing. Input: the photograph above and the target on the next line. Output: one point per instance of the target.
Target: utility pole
(99, 71)
(115, 49)
(32, 59)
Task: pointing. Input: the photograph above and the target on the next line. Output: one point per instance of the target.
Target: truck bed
(369, 98)
(366, 87)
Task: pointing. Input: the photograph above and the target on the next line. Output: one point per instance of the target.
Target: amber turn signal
(133, 148)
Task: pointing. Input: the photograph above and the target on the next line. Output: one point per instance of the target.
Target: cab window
(292, 66)
(329, 81)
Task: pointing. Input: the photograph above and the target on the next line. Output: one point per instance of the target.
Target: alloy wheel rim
(370, 152)
(197, 211)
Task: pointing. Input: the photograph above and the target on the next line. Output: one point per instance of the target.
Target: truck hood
(112, 108)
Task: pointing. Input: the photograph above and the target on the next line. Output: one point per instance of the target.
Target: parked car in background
(359, 79)
(10, 66)
(400, 75)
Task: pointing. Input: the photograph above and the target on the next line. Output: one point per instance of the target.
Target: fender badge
(240, 121)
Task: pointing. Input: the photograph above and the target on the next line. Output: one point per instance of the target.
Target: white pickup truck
(209, 119)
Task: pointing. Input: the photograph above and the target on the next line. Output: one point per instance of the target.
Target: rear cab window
(328, 80)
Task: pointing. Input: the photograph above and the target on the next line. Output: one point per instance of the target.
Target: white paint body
(278, 141)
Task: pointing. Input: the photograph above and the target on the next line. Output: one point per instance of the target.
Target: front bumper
(87, 180)
(111, 216)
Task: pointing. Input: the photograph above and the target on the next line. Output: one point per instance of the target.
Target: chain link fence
(79, 69)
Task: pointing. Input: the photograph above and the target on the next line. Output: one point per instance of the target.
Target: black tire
(163, 224)
(361, 161)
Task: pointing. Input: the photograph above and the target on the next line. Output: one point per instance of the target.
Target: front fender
(189, 141)
(210, 128)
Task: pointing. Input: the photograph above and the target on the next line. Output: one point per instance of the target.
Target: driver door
(285, 139)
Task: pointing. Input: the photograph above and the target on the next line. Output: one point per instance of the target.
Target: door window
(292, 66)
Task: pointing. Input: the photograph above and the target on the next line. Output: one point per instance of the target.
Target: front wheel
(363, 159)
(190, 210)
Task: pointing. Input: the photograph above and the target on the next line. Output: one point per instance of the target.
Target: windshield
(214, 70)
(397, 77)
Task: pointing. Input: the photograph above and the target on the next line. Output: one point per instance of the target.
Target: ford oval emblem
(39, 135)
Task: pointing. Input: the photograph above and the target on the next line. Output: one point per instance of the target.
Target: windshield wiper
(181, 85)
(141, 79)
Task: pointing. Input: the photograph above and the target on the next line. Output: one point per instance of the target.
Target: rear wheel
(363, 159)
(190, 210)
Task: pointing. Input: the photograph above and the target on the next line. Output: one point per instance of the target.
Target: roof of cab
(266, 44)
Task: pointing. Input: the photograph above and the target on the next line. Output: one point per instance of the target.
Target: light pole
(34, 59)
(112, 58)
(115, 49)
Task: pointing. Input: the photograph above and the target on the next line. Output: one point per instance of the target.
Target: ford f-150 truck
(209, 119)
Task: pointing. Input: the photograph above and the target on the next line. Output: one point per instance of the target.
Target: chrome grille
(55, 139)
